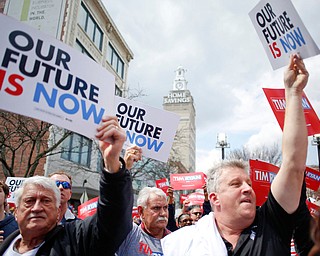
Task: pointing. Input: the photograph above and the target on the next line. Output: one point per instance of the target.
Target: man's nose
(163, 211)
(247, 188)
(37, 206)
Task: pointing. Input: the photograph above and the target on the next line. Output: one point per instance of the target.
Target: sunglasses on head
(197, 213)
(65, 184)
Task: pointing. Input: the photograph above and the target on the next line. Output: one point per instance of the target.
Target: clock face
(179, 85)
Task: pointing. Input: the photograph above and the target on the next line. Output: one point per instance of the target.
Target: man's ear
(214, 199)
(140, 211)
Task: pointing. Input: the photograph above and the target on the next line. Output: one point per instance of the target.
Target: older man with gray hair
(38, 209)
(145, 239)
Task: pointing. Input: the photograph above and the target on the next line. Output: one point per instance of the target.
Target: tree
(24, 144)
(271, 154)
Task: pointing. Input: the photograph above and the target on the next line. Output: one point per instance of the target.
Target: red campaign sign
(262, 174)
(187, 181)
(135, 212)
(88, 208)
(163, 184)
(313, 208)
(276, 99)
(196, 198)
(312, 179)
(183, 197)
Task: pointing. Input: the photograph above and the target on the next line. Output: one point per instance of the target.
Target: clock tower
(180, 101)
(180, 82)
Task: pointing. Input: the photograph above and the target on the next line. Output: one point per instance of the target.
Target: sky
(226, 64)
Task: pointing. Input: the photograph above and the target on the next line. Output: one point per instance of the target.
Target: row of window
(77, 148)
(90, 26)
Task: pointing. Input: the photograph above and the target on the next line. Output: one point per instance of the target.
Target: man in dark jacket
(38, 209)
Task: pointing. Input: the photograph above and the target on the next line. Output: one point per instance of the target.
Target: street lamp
(222, 142)
(316, 142)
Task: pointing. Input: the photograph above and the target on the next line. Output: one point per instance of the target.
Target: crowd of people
(228, 222)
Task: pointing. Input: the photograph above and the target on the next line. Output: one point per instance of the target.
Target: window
(77, 148)
(89, 25)
(81, 48)
(115, 61)
(118, 91)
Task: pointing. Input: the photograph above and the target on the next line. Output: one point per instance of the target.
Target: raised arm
(113, 219)
(133, 154)
(111, 139)
(286, 187)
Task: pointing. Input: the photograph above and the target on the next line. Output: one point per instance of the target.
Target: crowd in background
(227, 223)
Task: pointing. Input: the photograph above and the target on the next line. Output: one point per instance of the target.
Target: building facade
(87, 26)
(180, 101)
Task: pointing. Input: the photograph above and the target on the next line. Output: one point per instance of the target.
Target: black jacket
(100, 234)
(8, 225)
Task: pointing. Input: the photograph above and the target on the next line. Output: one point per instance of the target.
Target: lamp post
(222, 142)
(316, 142)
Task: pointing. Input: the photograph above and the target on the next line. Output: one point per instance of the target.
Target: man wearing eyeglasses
(64, 183)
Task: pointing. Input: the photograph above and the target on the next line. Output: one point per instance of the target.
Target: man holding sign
(38, 209)
(236, 227)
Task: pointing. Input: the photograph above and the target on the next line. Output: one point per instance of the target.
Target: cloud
(225, 61)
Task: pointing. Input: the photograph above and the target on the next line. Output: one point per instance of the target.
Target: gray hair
(145, 194)
(40, 181)
(214, 174)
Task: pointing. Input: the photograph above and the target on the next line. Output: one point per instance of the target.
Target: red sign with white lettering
(276, 99)
(135, 212)
(88, 208)
(163, 184)
(313, 208)
(187, 181)
(262, 175)
(183, 197)
(196, 198)
(312, 179)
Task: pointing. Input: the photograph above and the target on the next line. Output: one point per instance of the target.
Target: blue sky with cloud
(225, 61)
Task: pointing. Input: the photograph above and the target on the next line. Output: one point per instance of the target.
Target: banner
(163, 184)
(135, 212)
(43, 78)
(88, 208)
(262, 175)
(183, 197)
(13, 183)
(187, 181)
(150, 128)
(196, 198)
(276, 99)
(312, 179)
(281, 31)
(313, 208)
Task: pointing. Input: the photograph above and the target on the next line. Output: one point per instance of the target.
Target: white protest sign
(281, 31)
(13, 183)
(43, 78)
(150, 128)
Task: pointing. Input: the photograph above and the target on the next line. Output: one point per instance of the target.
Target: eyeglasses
(197, 213)
(65, 184)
